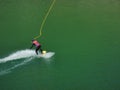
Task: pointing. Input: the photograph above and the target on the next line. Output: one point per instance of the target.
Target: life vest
(36, 43)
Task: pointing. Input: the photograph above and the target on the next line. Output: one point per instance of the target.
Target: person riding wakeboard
(38, 46)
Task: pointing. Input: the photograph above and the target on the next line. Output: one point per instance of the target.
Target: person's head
(33, 40)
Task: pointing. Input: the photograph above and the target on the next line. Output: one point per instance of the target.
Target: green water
(84, 34)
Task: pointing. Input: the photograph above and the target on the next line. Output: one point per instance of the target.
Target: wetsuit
(38, 46)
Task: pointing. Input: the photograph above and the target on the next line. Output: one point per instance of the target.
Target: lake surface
(83, 34)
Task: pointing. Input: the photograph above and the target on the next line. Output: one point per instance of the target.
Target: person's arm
(31, 46)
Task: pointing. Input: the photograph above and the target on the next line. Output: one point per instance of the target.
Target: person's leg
(37, 50)
(41, 49)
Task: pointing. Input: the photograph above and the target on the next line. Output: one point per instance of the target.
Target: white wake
(18, 55)
(26, 54)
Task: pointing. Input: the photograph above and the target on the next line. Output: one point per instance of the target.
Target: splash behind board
(47, 55)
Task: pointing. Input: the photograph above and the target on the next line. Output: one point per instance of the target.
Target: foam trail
(19, 55)
(6, 71)
(22, 54)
